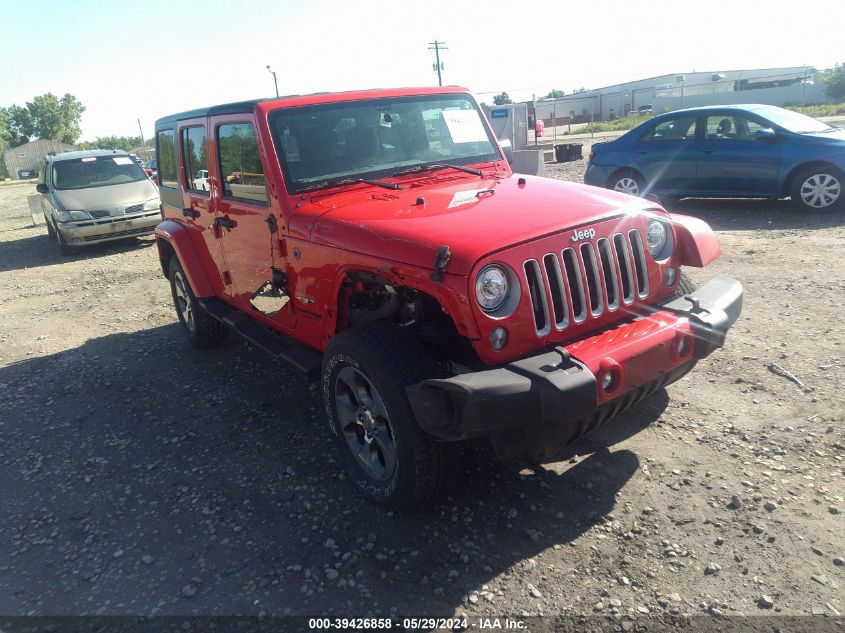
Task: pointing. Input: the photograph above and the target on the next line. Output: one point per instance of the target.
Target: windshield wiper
(429, 166)
(377, 183)
(352, 181)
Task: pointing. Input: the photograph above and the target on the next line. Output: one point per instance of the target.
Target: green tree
(555, 94)
(56, 119)
(126, 143)
(834, 80)
(579, 90)
(502, 99)
(4, 129)
(20, 125)
(46, 117)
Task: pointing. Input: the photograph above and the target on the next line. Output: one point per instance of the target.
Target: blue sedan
(728, 152)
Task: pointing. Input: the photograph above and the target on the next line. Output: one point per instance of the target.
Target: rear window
(96, 171)
(166, 156)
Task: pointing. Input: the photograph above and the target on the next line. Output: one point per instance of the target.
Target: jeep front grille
(586, 282)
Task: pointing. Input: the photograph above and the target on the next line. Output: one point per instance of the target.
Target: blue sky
(147, 58)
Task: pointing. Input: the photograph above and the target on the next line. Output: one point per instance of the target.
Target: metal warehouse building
(24, 161)
(772, 86)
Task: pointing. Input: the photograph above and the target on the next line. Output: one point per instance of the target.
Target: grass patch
(616, 125)
(824, 109)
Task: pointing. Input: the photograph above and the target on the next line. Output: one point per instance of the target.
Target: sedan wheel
(820, 190)
(628, 183)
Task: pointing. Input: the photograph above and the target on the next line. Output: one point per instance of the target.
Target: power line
(438, 65)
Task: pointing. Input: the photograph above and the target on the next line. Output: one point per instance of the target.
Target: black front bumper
(552, 388)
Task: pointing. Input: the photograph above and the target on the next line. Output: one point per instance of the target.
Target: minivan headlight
(492, 288)
(71, 216)
(152, 205)
(658, 239)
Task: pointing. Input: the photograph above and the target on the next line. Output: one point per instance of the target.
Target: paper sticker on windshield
(464, 197)
(89, 159)
(464, 126)
(122, 160)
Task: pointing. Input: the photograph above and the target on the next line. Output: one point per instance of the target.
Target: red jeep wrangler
(378, 242)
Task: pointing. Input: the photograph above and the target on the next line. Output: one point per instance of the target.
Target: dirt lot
(140, 476)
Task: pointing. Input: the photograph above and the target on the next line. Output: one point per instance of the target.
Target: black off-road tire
(685, 286)
(204, 331)
(828, 181)
(390, 359)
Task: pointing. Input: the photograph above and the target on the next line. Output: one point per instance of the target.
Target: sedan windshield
(794, 121)
(325, 144)
(96, 171)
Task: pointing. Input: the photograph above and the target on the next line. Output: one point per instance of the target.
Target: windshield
(324, 144)
(793, 121)
(96, 171)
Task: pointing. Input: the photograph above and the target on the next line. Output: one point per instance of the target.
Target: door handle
(190, 213)
(225, 223)
(706, 151)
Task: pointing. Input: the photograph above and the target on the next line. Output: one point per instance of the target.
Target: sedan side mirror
(766, 134)
(41, 188)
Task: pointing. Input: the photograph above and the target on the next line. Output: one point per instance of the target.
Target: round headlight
(655, 236)
(491, 288)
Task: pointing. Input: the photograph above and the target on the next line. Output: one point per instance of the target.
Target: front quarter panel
(697, 243)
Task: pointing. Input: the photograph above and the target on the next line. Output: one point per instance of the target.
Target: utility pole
(438, 65)
(275, 83)
(143, 142)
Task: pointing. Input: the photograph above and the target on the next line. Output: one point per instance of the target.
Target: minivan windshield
(96, 171)
(324, 144)
(794, 121)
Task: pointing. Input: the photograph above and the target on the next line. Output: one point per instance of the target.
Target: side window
(167, 158)
(42, 177)
(682, 129)
(195, 158)
(721, 128)
(240, 166)
(731, 127)
(754, 127)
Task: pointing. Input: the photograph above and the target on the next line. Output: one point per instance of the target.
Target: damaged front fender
(697, 243)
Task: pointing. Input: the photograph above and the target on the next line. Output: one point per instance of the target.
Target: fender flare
(179, 240)
(697, 243)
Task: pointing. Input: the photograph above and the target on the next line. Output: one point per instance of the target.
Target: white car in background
(201, 180)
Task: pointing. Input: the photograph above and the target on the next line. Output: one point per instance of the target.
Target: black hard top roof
(239, 107)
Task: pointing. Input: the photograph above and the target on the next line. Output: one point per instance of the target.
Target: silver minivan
(95, 196)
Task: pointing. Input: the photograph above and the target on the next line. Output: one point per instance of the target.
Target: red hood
(391, 225)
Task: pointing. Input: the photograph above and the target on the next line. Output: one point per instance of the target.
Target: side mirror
(507, 148)
(766, 134)
(41, 188)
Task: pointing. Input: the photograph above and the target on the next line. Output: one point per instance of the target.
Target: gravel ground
(141, 476)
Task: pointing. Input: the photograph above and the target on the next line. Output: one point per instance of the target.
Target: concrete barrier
(529, 162)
